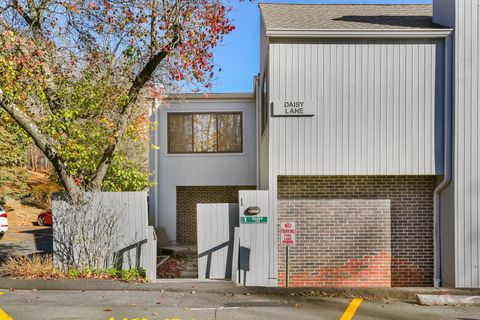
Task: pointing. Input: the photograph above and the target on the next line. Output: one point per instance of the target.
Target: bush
(42, 267)
(31, 267)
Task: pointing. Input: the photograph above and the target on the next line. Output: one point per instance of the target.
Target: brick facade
(339, 243)
(411, 219)
(189, 197)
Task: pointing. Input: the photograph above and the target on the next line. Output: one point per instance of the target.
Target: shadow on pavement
(43, 239)
(23, 242)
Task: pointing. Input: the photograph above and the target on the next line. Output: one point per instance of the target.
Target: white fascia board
(360, 33)
(210, 97)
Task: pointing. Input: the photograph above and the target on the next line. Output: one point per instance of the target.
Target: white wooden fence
(233, 242)
(215, 238)
(115, 222)
(255, 238)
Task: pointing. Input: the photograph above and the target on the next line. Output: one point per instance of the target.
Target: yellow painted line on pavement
(3, 315)
(352, 308)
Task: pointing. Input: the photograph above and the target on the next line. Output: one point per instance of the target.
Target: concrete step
(191, 268)
(189, 275)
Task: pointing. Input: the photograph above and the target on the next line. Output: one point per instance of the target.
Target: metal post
(286, 268)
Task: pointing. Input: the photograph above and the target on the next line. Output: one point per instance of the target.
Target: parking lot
(24, 236)
(107, 305)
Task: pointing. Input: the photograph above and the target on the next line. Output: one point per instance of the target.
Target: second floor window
(215, 132)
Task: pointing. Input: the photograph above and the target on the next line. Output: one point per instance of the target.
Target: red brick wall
(187, 199)
(339, 243)
(411, 215)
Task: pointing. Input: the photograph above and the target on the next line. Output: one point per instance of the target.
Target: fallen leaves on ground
(172, 268)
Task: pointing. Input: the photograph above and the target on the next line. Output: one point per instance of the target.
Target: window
(205, 132)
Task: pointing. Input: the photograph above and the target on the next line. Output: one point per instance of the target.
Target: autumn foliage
(79, 76)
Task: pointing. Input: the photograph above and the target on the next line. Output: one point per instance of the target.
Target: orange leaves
(74, 8)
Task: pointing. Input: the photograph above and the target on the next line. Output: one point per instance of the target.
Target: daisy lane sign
(294, 108)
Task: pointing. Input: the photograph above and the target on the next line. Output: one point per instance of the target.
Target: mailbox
(252, 211)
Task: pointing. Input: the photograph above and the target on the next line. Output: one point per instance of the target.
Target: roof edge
(360, 33)
(210, 96)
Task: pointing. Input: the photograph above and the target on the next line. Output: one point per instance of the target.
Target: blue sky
(238, 55)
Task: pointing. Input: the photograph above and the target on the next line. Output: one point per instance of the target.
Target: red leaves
(204, 26)
(172, 268)
(78, 181)
(178, 76)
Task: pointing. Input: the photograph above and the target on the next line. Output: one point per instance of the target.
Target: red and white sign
(287, 234)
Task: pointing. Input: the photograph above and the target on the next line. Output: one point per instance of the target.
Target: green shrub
(132, 274)
(73, 273)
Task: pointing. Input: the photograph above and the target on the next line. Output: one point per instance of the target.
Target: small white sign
(294, 108)
(287, 234)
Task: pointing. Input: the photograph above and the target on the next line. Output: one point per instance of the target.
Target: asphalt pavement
(113, 305)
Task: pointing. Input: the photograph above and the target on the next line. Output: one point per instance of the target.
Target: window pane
(230, 132)
(205, 132)
(180, 132)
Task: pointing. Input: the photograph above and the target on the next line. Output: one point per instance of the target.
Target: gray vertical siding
(172, 170)
(377, 106)
(467, 143)
(379, 110)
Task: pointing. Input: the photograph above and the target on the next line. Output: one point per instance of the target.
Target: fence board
(215, 238)
(134, 242)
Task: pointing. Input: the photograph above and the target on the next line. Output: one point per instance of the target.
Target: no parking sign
(287, 234)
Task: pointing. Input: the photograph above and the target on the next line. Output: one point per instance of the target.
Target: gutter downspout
(447, 176)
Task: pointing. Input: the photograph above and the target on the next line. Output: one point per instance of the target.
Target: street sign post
(287, 238)
(287, 234)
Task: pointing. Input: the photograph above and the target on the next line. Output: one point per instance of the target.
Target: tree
(74, 72)
(13, 169)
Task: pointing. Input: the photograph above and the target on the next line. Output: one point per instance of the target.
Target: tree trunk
(43, 143)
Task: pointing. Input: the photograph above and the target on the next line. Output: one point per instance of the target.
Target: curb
(116, 285)
(227, 287)
(447, 300)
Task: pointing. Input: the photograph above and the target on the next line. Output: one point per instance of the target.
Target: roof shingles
(350, 17)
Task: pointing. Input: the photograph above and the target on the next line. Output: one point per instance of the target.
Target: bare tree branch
(143, 77)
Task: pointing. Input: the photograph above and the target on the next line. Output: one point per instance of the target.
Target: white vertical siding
(376, 107)
(198, 169)
(467, 143)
